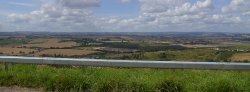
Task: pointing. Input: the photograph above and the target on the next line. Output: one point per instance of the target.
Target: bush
(116, 86)
(162, 48)
(5, 80)
(110, 86)
(136, 87)
(169, 86)
(221, 86)
(223, 56)
(122, 45)
(67, 84)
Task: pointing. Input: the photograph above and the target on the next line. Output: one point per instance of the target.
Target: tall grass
(96, 79)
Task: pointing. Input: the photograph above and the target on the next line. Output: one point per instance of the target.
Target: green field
(241, 46)
(11, 42)
(96, 79)
(183, 55)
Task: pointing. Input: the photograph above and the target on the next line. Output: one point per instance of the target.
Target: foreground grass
(54, 78)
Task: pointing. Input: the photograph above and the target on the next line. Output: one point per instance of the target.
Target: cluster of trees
(55, 55)
(162, 48)
(61, 55)
(146, 48)
(135, 56)
(83, 41)
(122, 45)
(142, 56)
(223, 56)
(21, 52)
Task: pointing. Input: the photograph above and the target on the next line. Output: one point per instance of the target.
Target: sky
(125, 15)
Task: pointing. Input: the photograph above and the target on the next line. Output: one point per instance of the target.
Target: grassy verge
(92, 79)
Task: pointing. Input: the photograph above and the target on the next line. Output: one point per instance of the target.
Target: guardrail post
(5, 66)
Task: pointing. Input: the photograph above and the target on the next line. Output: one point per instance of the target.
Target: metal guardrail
(126, 63)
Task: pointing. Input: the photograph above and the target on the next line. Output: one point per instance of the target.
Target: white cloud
(236, 5)
(174, 11)
(154, 6)
(247, 13)
(125, 1)
(78, 4)
(21, 4)
(174, 6)
(174, 15)
(222, 19)
(62, 16)
(155, 15)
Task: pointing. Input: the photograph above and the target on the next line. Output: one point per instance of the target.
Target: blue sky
(12, 6)
(116, 8)
(107, 7)
(125, 15)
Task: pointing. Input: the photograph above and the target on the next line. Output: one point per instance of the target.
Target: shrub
(67, 84)
(162, 48)
(110, 86)
(137, 87)
(221, 86)
(122, 45)
(169, 86)
(6, 80)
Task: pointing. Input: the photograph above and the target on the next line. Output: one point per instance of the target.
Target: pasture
(50, 43)
(64, 52)
(16, 51)
(241, 57)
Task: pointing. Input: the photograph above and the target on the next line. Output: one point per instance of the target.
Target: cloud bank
(154, 16)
